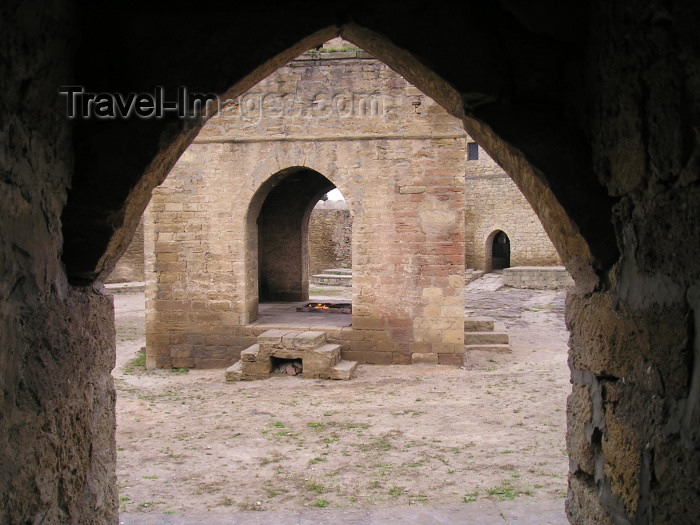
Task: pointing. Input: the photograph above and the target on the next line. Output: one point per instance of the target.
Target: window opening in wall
(472, 151)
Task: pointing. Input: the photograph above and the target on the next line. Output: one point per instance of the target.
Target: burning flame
(319, 306)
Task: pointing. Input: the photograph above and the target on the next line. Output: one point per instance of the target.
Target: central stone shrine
(319, 359)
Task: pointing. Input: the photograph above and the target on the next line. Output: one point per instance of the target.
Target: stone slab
(250, 353)
(344, 370)
(500, 348)
(473, 338)
(478, 325)
(309, 339)
(233, 372)
(424, 358)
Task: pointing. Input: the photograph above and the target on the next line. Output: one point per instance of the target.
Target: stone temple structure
(228, 228)
(591, 107)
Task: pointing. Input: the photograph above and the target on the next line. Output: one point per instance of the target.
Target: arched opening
(330, 248)
(278, 234)
(637, 234)
(500, 251)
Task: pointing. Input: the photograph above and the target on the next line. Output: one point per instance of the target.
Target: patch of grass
(317, 459)
(152, 476)
(122, 499)
(348, 425)
(272, 491)
(226, 501)
(321, 503)
(417, 498)
(315, 425)
(180, 371)
(395, 491)
(278, 424)
(471, 497)
(314, 486)
(138, 363)
(333, 438)
(506, 491)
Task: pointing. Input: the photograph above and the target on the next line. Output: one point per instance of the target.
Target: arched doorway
(280, 213)
(500, 251)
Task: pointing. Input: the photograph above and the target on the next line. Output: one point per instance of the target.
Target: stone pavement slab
(520, 512)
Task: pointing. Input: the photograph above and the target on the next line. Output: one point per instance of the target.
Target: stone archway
(591, 108)
(281, 226)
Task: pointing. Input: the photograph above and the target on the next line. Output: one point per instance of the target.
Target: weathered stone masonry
(401, 172)
(591, 107)
(223, 231)
(330, 237)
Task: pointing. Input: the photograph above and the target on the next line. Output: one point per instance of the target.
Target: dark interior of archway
(500, 251)
(283, 233)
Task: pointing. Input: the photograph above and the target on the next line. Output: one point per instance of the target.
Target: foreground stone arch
(591, 107)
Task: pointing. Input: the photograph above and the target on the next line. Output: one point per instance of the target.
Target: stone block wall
(57, 341)
(330, 237)
(398, 159)
(494, 202)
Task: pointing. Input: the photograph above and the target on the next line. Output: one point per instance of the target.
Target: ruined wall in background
(330, 237)
(57, 451)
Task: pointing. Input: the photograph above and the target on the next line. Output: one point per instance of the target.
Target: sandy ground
(394, 436)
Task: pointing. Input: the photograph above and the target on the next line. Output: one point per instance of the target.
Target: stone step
(318, 362)
(476, 324)
(331, 279)
(288, 344)
(338, 271)
(320, 359)
(499, 348)
(329, 351)
(233, 372)
(344, 370)
(250, 353)
(491, 338)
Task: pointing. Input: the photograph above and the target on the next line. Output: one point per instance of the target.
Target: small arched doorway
(500, 251)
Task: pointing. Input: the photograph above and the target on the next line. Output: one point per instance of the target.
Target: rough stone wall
(634, 412)
(330, 237)
(543, 90)
(398, 159)
(130, 266)
(57, 452)
(494, 202)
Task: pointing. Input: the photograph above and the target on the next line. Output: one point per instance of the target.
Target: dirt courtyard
(393, 436)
